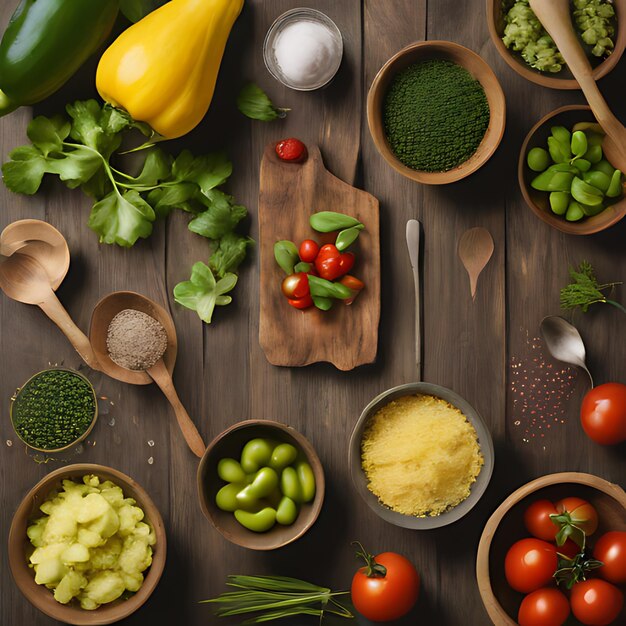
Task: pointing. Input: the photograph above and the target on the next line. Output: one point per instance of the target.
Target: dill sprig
(584, 290)
(276, 597)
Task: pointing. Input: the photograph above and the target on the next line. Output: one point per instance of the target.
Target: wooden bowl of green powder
(436, 112)
(54, 410)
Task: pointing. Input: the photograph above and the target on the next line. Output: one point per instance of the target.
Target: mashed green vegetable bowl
(87, 545)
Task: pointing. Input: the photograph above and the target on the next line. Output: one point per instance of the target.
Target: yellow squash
(163, 69)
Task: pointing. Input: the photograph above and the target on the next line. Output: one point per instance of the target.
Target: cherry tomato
(582, 514)
(611, 550)
(569, 549)
(386, 588)
(537, 520)
(295, 286)
(354, 284)
(529, 564)
(346, 262)
(301, 303)
(308, 250)
(596, 602)
(603, 413)
(291, 149)
(328, 262)
(544, 607)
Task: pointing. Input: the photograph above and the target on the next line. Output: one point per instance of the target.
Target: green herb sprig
(79, 151)
(277, 597)
(584, 290)
(254, 103)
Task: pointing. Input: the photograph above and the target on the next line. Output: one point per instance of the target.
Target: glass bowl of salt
(303, 49)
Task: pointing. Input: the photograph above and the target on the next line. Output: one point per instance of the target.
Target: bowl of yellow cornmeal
(420, 456)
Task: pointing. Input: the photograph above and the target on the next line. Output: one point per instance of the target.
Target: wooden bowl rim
(497, 109)
(71, 614)
(247, 539)
(587, 226)
(76, 441)
(551, 81)
(494, 609)
(478, 488)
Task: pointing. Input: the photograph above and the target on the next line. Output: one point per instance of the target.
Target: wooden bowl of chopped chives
(420, 456)
(54, 410)
(563, 79)
(436, 112)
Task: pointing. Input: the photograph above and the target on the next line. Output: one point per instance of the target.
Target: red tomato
(529, 564)
(603, 413)
(582, 514)
(354, 284)
(346, 261)
(301, 303)
(384, 598)
(611, 550)
(596, 602)
(291, 150)
(328, 262)
(295, 286)
(308, 250)
(544, 607)
(537, 520)
(570, 549)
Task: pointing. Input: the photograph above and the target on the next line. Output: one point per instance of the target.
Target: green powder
(53, 409)
(435, 115)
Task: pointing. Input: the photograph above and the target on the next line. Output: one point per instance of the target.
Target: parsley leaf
(254, 103)
(122, 219)
(218, 220)
(202, 293)
(229, 254)
(24, 172)
(48, 134)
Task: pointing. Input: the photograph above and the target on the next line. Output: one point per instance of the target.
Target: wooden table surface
(487, 350)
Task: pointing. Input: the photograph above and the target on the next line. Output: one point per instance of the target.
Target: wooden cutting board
(346, 336)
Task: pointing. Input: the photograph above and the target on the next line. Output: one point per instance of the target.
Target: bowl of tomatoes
(554, 552)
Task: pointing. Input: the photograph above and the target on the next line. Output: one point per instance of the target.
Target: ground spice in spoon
(135, 340)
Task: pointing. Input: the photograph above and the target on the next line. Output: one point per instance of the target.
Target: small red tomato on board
(386, 588)
(328, 262)
(596, 602)
(529, 564)
(353, 284)
(292, 150)
(308, 250)
(581, 514)
(301, 303)
(295, 286)
(537, 520)
(346, 262)
(603, 413)
(611, 550)
(543, 607)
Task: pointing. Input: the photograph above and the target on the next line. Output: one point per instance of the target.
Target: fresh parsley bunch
(125, 208)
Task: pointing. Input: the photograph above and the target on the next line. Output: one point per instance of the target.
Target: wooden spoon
(160, 372)
(475, 250)
(556, 19)
(24, 279)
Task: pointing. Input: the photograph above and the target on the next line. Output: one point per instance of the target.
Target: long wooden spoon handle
(162, 378)
(555, 17)
(53, 308)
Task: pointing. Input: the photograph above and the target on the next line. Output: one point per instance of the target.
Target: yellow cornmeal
(420, 455)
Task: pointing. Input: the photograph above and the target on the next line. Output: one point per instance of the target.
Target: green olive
(538, 159)
(284, 454)
(290, 485)
(287, 512)
(265, 481)
(258, 522)
(246, 499)
(255, 455)
(574, 212)
(230, 471)
(599, 180)
(559, 201)
(578, 143)
(594, 153)
(226, 497)
(307, 481)
(561, 134)
(605, 167)
(582, 165)
(615, 187)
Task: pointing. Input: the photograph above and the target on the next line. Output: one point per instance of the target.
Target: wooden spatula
(475, 250)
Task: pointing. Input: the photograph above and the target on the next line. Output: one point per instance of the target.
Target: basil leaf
(254, 103)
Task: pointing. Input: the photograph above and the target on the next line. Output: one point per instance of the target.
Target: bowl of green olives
(564, 176)
(261, 484)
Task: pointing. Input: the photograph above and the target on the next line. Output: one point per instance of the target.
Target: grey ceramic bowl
(360, 479)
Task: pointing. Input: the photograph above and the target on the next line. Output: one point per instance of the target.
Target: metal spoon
(413, 228)
(564, 342)
(475, 250)
(32, 274)
(160, 372)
